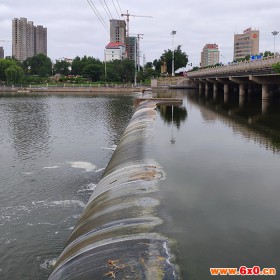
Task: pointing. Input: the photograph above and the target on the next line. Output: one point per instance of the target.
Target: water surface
(219, 200)
(53, 152)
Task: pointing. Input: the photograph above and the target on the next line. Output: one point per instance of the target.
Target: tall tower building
(210, 55)
(25, 36)
(117, 31)
(246, 43)
(1, 52)
(29, 39)
(40, 39)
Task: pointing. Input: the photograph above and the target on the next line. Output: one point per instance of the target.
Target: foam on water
(90, 187)
(20, 212)
(87, 166)
(51, 167)
(76, 216)
(99, 170)
(27, 173)
(68, 203)
(113, 148)
(48, 263)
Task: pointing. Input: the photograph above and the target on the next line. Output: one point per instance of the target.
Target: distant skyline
(74, 29)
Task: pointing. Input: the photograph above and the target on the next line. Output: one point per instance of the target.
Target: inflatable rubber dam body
(118, 235)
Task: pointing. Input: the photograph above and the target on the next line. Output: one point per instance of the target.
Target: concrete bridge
(246, 75)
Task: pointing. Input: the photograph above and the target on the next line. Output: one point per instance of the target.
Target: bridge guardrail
(245, 66)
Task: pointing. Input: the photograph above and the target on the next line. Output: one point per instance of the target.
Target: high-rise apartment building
(28, 40)
(118, 38)
(1, 52)
(117, 31)
(210, 55)
(40, 39)
(246, 44)
(117, 48)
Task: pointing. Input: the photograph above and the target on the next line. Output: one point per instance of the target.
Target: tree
(268, 53)
(39, 64)
(276, 67)
(88, 67)
(120, 71)
(77, 66)
(4, 64)
(126, 70)
(157, 64)
(14, 74)
(149, 71)
(180, 59)
(92, 71)
(62, 67)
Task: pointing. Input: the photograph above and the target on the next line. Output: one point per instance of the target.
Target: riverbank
(49, 90)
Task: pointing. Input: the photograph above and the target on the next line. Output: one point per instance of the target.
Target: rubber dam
(118, 235)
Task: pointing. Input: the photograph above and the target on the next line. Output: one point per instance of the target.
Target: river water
(220, 198)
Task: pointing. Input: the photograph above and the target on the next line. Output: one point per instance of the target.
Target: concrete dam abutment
(118, 235)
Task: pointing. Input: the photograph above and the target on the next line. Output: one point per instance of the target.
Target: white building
(115, 51)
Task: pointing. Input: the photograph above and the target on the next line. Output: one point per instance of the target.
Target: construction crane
(127, 15)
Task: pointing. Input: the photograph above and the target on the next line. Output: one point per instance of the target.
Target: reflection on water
(220, 199)
(250, 116)
(173, 114)
(28, 126)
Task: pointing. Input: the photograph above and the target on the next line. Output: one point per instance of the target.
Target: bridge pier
(241, 75)
(241, 101)
(265, 105)
(265, 91)
(215, 87)
(200, 88)
(206, 90)
(241, 89)
(215, 93)
(226, 97)
(226, 88)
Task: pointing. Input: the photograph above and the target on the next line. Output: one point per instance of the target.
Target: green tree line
(40, 68)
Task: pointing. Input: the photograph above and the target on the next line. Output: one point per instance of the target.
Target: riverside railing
(244, 66)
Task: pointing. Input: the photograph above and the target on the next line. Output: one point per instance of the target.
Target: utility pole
(274, 33)
(138, 49)
(135, 63)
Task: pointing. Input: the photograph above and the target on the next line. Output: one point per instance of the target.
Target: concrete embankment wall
(173, 82)
(118, 236)
(69, 89)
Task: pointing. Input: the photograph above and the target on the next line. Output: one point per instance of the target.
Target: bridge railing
(244, 66)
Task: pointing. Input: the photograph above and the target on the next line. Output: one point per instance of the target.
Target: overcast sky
(74, 29)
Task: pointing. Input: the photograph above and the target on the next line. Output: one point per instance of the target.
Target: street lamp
(274, 33)
(173, 33)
